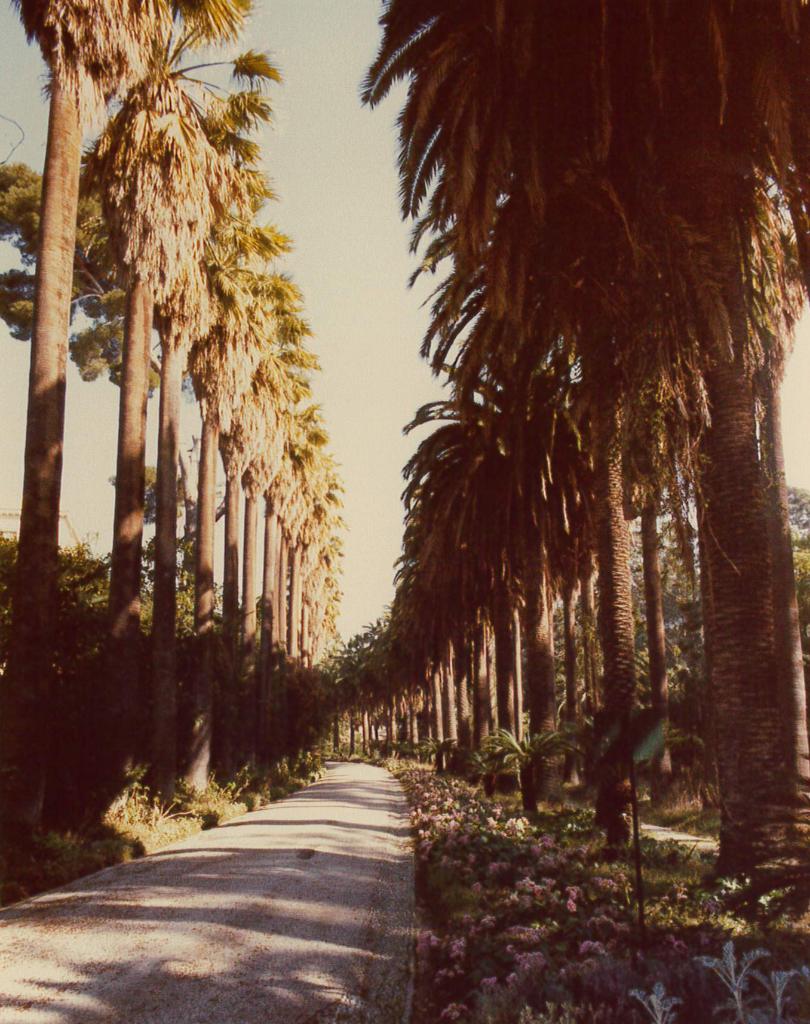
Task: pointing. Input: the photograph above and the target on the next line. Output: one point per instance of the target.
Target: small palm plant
(527, 756)
(439, 751)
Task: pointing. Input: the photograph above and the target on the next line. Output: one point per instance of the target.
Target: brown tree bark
(505, 667)
(164, 619)
(787, 630)
(656, 645)
(587, 603)
(390, 726)
(482, 709)
(264, 705)
(282, 589)
(305, 637)
(449, 707)
(248, 637)
(413, 722)
(518, 679)
(436, 704)
(571, 768)
(764, 820)
(199, 759)
(294, 622)
(708, 718)
(765, 806)
(27, 684)
(124, 645)
(464, 698)
(189, 500)
(615, 620)
(228, 689)
(540, 671)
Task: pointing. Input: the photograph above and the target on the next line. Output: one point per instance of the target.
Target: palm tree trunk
(248, 652)
(518, 679)
(264, 709)
(305, 618)
(588, 627)
(294, 623)
(390, 727)
(228, 688)
(787, 630)
(413, 721)
(492, 674)
(540, 671)
(164, 619)
(571, 769)
(505, 667)
(763, 821)
(449, 708)
(656, 645)
(124, 649)
(616, 625)
(436, 701)
(708, 718)
(282, 589)
(482, 709)
(203, 686)
(189, 501)
(26, 686)
(464, 672)
(230, 572)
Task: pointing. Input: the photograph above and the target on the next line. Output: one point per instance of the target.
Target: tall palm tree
(92, 51)
(164, 184)
(634, 178)
(656, 640)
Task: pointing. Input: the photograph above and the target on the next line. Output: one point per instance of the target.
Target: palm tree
(164, 184)
(92, 51)
(656, 641)
(222, 366)
(623, 225)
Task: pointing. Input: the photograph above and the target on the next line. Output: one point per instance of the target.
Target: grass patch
(683, 814)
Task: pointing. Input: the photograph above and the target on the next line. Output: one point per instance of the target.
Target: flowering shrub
(526, 916)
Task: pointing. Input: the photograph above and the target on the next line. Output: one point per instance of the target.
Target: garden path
(299, 913)
(662, 835)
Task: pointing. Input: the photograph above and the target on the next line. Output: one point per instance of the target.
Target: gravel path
(703, 844)
(300, 912)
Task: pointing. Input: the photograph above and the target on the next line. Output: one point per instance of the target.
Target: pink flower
(455, 1011)
(489, 983)
(527, 962)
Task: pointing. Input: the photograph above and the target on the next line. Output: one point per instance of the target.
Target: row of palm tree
(175, 171)
(616, 198)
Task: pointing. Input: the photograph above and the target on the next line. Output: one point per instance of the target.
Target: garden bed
(523, 915)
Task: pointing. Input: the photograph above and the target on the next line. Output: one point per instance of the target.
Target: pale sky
(333, 166)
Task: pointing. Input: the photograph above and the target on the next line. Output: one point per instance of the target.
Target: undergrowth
(139, 822)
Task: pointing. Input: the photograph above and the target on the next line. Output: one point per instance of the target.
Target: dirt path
(662, 835)
(300, 912)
